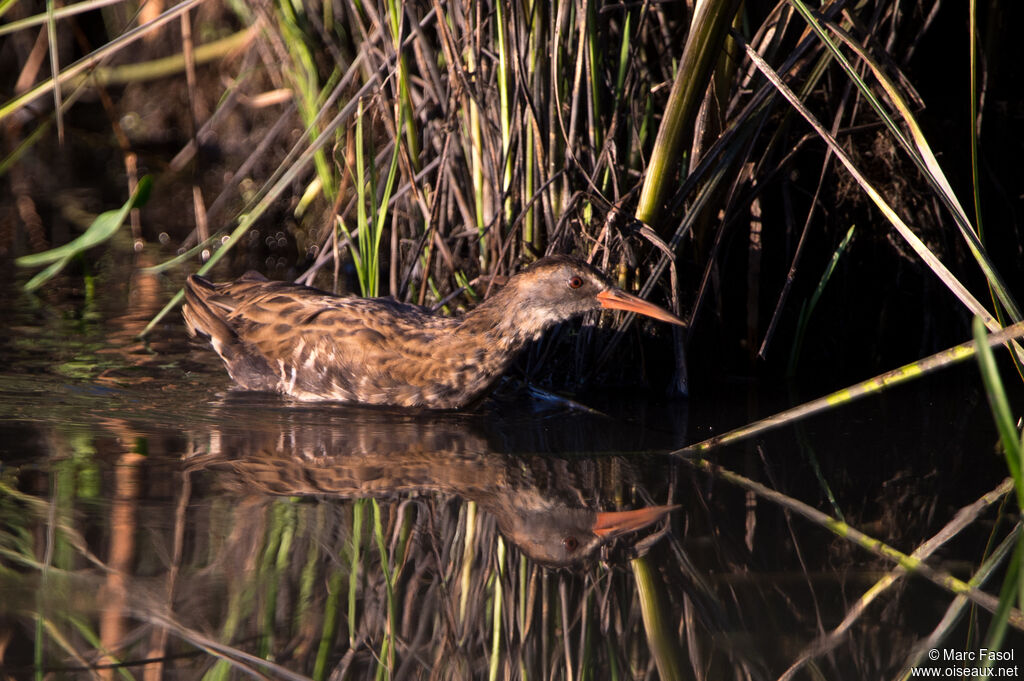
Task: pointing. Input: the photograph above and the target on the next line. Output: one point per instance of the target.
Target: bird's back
(312, 345)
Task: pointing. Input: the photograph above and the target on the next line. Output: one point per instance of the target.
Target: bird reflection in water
(545, 505)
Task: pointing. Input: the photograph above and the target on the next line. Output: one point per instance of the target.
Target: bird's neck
(473, 351)
(507, 318)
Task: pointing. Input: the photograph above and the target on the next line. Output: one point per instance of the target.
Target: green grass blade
(353, 575)
(903, 374)
(363, 225)
(1000, 405)
(101, 229)
(381, 220)
(808, 309)
(387, 668)
(665, 647)
(703, 45)
(1010, 593)
(495, 661)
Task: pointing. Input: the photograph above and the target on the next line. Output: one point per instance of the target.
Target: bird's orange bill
(615, 299)
(613, 523)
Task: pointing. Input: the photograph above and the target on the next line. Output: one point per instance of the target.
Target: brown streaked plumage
(312, 345)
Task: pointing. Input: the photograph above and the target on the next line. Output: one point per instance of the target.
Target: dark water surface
(155, 524)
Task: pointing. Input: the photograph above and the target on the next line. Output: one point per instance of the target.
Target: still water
(156, 524)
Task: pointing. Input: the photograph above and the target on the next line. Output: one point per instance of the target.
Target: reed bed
(446, 145)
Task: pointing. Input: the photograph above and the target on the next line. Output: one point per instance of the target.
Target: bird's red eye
(571, 544)
(575, 282)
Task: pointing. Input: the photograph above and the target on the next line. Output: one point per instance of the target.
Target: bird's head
(561, 537)
(558, 288)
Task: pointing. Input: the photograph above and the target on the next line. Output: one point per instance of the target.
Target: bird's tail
(201, 318)
(205, 314)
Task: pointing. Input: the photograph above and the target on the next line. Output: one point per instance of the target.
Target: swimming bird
(312, 345)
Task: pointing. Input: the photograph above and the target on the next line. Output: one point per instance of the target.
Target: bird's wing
(371, 350)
